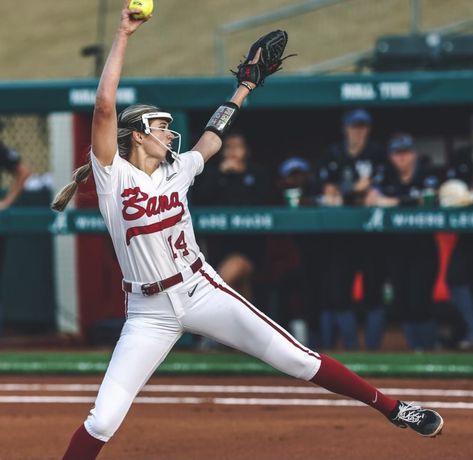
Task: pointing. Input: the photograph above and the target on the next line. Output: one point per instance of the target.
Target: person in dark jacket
(346, 174)
(349, 165)
(412, 258)
(236, 181)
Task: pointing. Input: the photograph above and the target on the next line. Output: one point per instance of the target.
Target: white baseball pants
(204, 305)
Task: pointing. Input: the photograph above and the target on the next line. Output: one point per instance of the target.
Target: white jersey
(151, 229)
(148, 216)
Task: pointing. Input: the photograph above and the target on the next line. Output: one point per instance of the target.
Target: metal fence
(29, 136)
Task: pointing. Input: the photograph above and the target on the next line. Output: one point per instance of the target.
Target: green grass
(445, 365)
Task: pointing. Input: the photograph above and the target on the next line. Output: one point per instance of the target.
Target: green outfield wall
(256, 220)
(386, 89)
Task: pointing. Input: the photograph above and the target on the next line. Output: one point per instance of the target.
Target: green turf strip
(181, 363)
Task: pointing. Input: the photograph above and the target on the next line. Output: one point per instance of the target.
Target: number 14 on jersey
(180, 245)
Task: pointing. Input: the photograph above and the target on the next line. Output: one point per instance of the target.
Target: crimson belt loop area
(149, 289)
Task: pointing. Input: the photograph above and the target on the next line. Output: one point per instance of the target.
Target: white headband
(153, 115)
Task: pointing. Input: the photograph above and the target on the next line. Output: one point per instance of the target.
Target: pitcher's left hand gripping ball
(272, 48)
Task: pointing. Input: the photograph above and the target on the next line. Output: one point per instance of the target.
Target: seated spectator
(302, 286)
(297, 183)
(235, 181)
(412, 258)
(349, 165)
(460, 269)
(346, 174)
(461, 165)
(405, 178)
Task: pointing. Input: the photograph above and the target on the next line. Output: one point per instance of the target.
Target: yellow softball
(146, 7)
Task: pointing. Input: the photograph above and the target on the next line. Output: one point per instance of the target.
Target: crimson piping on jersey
(153, 228)
(257, 313)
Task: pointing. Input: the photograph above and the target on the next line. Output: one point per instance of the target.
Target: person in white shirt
(142, 184)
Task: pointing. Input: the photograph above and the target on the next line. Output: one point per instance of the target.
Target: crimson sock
(83, 446)
(335, 377)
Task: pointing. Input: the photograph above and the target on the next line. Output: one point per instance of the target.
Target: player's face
(296, 179)
(159, 141)
(357, 134)
(404, 161)
(235, 148)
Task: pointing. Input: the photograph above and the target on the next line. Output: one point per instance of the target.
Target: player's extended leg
(227, 317)
(143, 345)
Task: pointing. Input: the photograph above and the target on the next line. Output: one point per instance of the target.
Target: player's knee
(101, 426)
(304, 366)
(293, 360)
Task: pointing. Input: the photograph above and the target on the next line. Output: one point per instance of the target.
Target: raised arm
(104, 123)
(264, 59)
(210, 142)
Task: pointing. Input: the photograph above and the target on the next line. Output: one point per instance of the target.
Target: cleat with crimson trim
(426, 422)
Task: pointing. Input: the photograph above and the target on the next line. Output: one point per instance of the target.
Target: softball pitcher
(142, 182)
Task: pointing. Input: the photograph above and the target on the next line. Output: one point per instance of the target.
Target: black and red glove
(272, 48)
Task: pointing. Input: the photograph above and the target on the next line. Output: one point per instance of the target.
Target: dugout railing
(40, 220)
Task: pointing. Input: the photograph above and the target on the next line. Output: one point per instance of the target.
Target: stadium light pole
(101, 28)
(416, 16)
(98, 48)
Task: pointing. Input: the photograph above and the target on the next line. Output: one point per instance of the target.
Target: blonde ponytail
(129, 120)
(61, 200)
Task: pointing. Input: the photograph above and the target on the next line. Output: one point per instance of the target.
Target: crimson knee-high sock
(83, 446)
(335, 377)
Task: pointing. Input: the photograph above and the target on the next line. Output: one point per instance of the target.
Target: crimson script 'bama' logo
(138, 204)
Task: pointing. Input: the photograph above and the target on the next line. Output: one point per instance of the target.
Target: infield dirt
(209, 431)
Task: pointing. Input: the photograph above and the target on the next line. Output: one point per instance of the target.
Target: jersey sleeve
(192, 163)
(103, 175)
(9, 158)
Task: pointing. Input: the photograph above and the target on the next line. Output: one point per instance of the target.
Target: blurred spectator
(405, 179)
(300, 284)
(349, 165)
(10, 162)
(308, 278)
(235, 181)
(297, 183)
(412, 258)
(460, 270)
(346, 173)
(461, 165)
